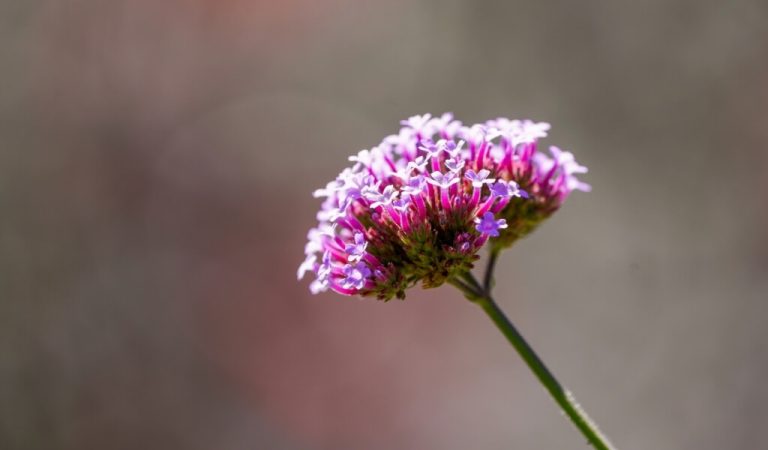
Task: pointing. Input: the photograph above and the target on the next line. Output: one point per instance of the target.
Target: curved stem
(561, 395)
(470, 280)
(488, 278)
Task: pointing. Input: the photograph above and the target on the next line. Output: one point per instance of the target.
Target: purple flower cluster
(420, 205)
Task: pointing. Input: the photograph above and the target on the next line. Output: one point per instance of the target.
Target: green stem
(488, 279)
(472, 283)
(561, 395)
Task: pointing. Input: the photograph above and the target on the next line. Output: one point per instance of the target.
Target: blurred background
(156, 167)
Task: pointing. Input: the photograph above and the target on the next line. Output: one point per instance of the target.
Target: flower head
(415, 208)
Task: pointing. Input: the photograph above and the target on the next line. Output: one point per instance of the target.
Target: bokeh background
(156, 165)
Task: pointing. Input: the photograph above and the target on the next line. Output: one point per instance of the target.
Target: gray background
(156, 165)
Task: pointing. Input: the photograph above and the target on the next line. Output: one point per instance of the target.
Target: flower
(384, 198)
(489, 225)
(416, 209)
(414, 186)
(417, 122)
(419, 163)
(443, 180)
(507, 189)
(480, 178)
(356, 250)
(355, 276)
(432, 150)
(455, 164)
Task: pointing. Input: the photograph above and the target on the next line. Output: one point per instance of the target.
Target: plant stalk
(561, 395)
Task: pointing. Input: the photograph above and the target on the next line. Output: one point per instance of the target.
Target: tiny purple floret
(507, 189)
(480, 178)
(357, 250)
(355, 275)
(489, 225)
(443, 180)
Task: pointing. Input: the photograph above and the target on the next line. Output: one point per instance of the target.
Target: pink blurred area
(156, 167)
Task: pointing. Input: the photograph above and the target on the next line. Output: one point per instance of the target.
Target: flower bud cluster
(419, 206)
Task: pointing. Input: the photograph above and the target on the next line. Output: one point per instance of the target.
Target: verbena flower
(419, 206)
